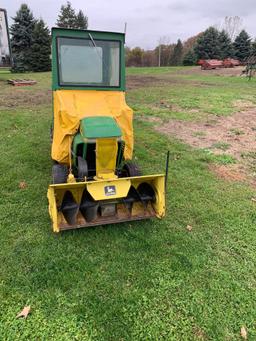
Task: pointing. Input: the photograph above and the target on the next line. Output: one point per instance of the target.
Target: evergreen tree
(189, 58)
(81, 21)
(207, 45)
(21, 39)
(41, 47)
(67, 17)
(176, 56)
(225, 45)
(242, 46)
(253, 48)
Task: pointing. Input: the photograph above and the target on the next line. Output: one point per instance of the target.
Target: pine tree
(81, 21)
(242, 45)
(189, 58)
(225, 45)
(207, 45)
(253, 48)
(67, 17)
(176, 56)
(41, 47)
(21, 39)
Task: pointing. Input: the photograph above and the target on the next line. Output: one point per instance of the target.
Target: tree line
(210, 44)
(30, 37)
(162, 55)
(31, 46)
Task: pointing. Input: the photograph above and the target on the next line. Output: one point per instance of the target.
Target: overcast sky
(147, 20)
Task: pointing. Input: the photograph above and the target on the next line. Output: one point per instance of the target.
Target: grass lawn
(150, 280)
(189, 96)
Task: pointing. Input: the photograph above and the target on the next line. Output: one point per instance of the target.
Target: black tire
(59, 174)
(82, 168)
(51, 133)
(131, 169)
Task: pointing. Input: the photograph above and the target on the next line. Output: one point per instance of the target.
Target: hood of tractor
(99, 127)
(71, 106)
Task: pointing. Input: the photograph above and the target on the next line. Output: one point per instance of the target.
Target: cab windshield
(88, 62)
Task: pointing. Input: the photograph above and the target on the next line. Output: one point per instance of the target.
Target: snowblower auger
(94, 181)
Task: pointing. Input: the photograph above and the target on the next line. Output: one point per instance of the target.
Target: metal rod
(166, 170)
(159, 54)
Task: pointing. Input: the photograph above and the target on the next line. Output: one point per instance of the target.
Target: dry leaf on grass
(24, 312)
(253, 199)
(22, 184)
(176, 157)
(189, 228)
(243, 333)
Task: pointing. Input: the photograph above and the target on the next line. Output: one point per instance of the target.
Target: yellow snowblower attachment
(90, 203)
(94, 180)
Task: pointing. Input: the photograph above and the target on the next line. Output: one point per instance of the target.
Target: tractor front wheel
(82, 168)
(131, 169)
(59, 173)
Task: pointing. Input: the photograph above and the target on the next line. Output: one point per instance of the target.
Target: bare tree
(163, 40)
(232, 26)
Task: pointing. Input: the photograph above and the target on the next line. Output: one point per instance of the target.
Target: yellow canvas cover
(70, 106)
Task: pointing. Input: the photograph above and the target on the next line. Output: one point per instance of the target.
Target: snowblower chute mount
(94, 180)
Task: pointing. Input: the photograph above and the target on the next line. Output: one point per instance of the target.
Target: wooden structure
(230, 62)
(21, 82)
(211, 64)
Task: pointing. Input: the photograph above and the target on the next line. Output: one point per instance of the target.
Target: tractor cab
(94, 178)
(89, 82)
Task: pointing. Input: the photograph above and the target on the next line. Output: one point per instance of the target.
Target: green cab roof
(58, 31)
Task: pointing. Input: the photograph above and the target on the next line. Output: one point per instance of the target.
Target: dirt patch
(169, 78)
(237, 132)
(134, 81)
(140, 81)
(230, 172)
(199, 334)
(244, 105)
(153, 119)
(232, 72)
(234, 135)
(11, 97)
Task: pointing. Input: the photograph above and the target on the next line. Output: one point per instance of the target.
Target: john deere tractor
(94, 179)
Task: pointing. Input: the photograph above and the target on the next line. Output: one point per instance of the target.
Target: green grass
(149, 280)
(221, 145)
(199, 134)
(251, 155)
(189, 97)
(153, 70)
(236, 131)
(221, 159)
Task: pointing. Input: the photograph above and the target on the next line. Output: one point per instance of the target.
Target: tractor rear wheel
(131, 169)
(59, 173)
